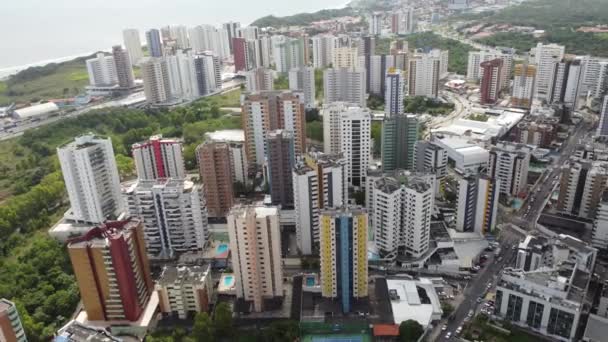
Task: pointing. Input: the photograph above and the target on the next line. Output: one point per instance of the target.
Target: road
(478, 286)
(447, 32)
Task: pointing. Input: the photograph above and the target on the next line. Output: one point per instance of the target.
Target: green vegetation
(447, 309)
(228, 99)
(559, 18)
(425, 105)
(303, 19)
(479, 117)
(410, 331)
(459, 52)
(377, 136)
(314, 130)
(481, 329)
(319, 85)
(519, 41)
(55, 80)
(34, 270)
(375, 102)
(281, 82)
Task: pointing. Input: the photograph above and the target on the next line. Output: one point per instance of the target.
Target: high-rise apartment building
(475, 71)
(208, 73)
(259, 79)
(182, 75)
(112, 270)
(241, 55)
(159, 158)
(302, 79)
(132, 43)
(173, 213)
(344, 85)
(102, 71)
(231, 30)
(208, 39)
(268, 111)
(602, 127)
(255, 245)
(509, 164)
(249, 32)
(564, 87)
(400, 211)
(429, 157)
(354, 134)
(91, 179)
(477, 204)
(343, 240)
(288, 53)
(524, 80)
(124, 70)
(599, 238)
(377, 67)
(490, 81)
(395, 93)
(11, 329)
(318, 183)
(374, 21)
(544, 56)
(399, 136)
(185, 290)
(157, 86)
(215, 169)
(155, 46)
(330, 112)
(323, 50)
(581, 187)
(402, 21)
(281, 160)
(424, 73)
(345, 57)
(235, 139)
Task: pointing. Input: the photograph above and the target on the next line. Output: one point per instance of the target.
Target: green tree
(222, 319)
(203, 331)
(447, 309)
(410, 331)
(282, 331)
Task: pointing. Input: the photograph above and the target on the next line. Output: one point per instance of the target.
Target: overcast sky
(36, 30)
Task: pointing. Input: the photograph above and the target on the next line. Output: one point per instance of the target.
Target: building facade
(102, 71)
(132, 43)
(581, 186)
(524, 80)
(281, 160)
(509, 165)
(544, 56)
(123, 67)
(491, 81)
(303, 80)
(355, 143)
(395, 93)
(159, 158)
(157, 85)
(184, 291)
(477, 204)
(11, 329)
(216, 172)
(259, 79)
(344, 85)
(154, 44)
(424, 73)
(399, 136)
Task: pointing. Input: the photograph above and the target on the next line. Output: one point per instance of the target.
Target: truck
(497, 252)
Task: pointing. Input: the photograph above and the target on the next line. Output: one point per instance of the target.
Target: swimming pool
(222, 248)
(310, 281)
(228, 280)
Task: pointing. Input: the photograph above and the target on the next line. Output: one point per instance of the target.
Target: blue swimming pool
(310, 281)
(228, 280)
(222, 248)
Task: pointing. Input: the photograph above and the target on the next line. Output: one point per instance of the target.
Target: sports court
(336, 338)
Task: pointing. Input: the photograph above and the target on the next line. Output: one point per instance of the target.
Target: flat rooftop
(227, 135)
(415, 299)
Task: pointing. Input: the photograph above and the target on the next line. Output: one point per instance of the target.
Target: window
(560, 323)
(535, 314)
(514, 308)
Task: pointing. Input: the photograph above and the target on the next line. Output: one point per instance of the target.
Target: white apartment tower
(564, 86)
(91, 179)
(132, 43)
(174, 215)
(509, 164)
(344, 85)
(331, 125)
(259, 79)
(477, 204)
(374, 21)
(102, 71)
(302, 79)
(475, 71)
(524, 80)
(424, 73)
(155, 75)
(429, 157)
(402, 22)
(395, 93)
(544, 56)
(182, 75)
(345, 57)
(602, 128)
(323, 51)
(159, 158)
(318, 183)
(355, 143)
(208, 73)
(255, 244)
(287, 52)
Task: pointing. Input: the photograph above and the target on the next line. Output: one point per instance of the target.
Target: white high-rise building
(132, 41)
(402, 22)
(401, 208)
(600, 224)
(545, 56)
(287, 52)
(395, 93)
(344, 85)
(323, 51)
(565, 82)
(377, 67)
(204, 38)
(374, 21)
(208, 73)
(155, 75)
(602, 127)
(255, 245)
(102, 71)
(509, 164)
(91, 179)
(179, 33)
(477, 204)
(259, 79)
(318, 183)
(355, 143)
(249, 32)
(159, 158)
(424, 74)
(475, 71)
(593, 73)
(524, 80)
(174, 215)
(303, 79)
(182, 75)
(429, 157)
(345, 57)
(331, 125)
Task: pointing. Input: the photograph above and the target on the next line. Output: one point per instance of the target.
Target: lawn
(229, 99)
(490, 334)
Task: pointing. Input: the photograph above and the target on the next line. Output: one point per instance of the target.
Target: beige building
(185, 290)
(11, 329)
(216, 172)
(255, 244)
(581, 187)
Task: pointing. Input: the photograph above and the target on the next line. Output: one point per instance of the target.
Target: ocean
(40, 32)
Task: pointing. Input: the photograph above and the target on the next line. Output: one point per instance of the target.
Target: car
(471, 312)
(444, 327)
(479, 299)
(459, 330)
(448, 335)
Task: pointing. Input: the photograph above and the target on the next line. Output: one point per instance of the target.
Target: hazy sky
(36, 30)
